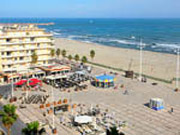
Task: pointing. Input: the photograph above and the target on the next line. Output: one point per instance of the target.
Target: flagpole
(52, 90)
(140, 60)
(177, 69)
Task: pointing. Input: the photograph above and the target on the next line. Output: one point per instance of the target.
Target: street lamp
(140, 59)
(52, 92)
(12, 83)
(177, 69)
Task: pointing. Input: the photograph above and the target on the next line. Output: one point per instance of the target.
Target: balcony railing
(23, 55)
(10, 62)
(24, 36)
(27, 42)
(15, 62)
(25, 48)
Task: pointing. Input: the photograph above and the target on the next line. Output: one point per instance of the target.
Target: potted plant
(176, 90)
(41, 106)
(59, 102)
(54, 103)
(65, 101)
(54, 131)
(48, 105)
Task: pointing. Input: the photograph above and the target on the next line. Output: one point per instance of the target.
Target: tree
(76, 57)
(52, 53)
(114, 131)
(9, 116)
(31, 128)
(58, 52)
(84, 59)
(92, 54)
(70, 57)
(34, 58)
(63, 53)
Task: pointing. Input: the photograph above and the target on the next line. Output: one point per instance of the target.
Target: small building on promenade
(104, 81)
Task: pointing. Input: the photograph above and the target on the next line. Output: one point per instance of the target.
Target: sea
(157, 35)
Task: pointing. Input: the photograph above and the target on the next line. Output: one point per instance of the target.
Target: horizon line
(89, 17)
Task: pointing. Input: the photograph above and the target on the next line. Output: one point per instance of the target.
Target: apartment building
(17, 44)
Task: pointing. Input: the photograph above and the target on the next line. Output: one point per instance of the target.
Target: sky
(90, 8)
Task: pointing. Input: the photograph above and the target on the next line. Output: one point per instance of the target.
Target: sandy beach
(159, 65)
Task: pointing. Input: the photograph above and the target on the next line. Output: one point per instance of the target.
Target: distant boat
(91, 21)
(133, 37)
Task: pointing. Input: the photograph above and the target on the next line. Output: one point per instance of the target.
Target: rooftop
(6, 27)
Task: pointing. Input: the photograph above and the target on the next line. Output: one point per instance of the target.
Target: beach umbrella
(34, 81)
(21, 82)
(83, 119)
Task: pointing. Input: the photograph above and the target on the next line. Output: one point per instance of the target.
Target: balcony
(23, 55)
(25, 48)
(10, 62)
(25, 36)
(27, 42)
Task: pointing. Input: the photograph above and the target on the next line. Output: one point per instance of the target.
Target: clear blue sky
(91, 8)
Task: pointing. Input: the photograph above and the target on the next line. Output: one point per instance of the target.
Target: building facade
(17, 44)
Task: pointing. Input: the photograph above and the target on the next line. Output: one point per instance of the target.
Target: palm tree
(70, 57)
(34, 58)
(92, 54)
(76, 57)
(114, 131)
(52, 53)
(31, 128)
(63, 53)
(84, 59)
(9, 116)
(58, 52)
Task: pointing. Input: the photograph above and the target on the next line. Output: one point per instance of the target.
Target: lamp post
(12, 85)
(177, 69)
(140, 59)
(27, 93)
(52, 92)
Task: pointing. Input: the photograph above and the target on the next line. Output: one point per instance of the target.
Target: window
(15, 58)
(9, 66)
(44, 62)
(32, 39)
(8, 53)
(27, 33)
(2, 53)
(27, 51)
(38, 44)
(3, 66)
(8, 40)
(21, 58)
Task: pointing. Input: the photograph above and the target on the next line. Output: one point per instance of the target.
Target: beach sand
(159, 65)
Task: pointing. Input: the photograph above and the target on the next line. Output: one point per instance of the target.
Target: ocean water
(159, 35)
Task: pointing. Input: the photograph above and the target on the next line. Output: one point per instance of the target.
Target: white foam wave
(57, 30)
(55, 33)
(124, 42)
(86, 41)
(165, 45)
(76, 36)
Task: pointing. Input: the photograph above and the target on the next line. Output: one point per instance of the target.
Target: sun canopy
(32, 82)
(105, 78)
(83, 119)
(21, 82)
(56, 77)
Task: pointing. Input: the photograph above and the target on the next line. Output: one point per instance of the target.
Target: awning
(83, 119)
(21, 82)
